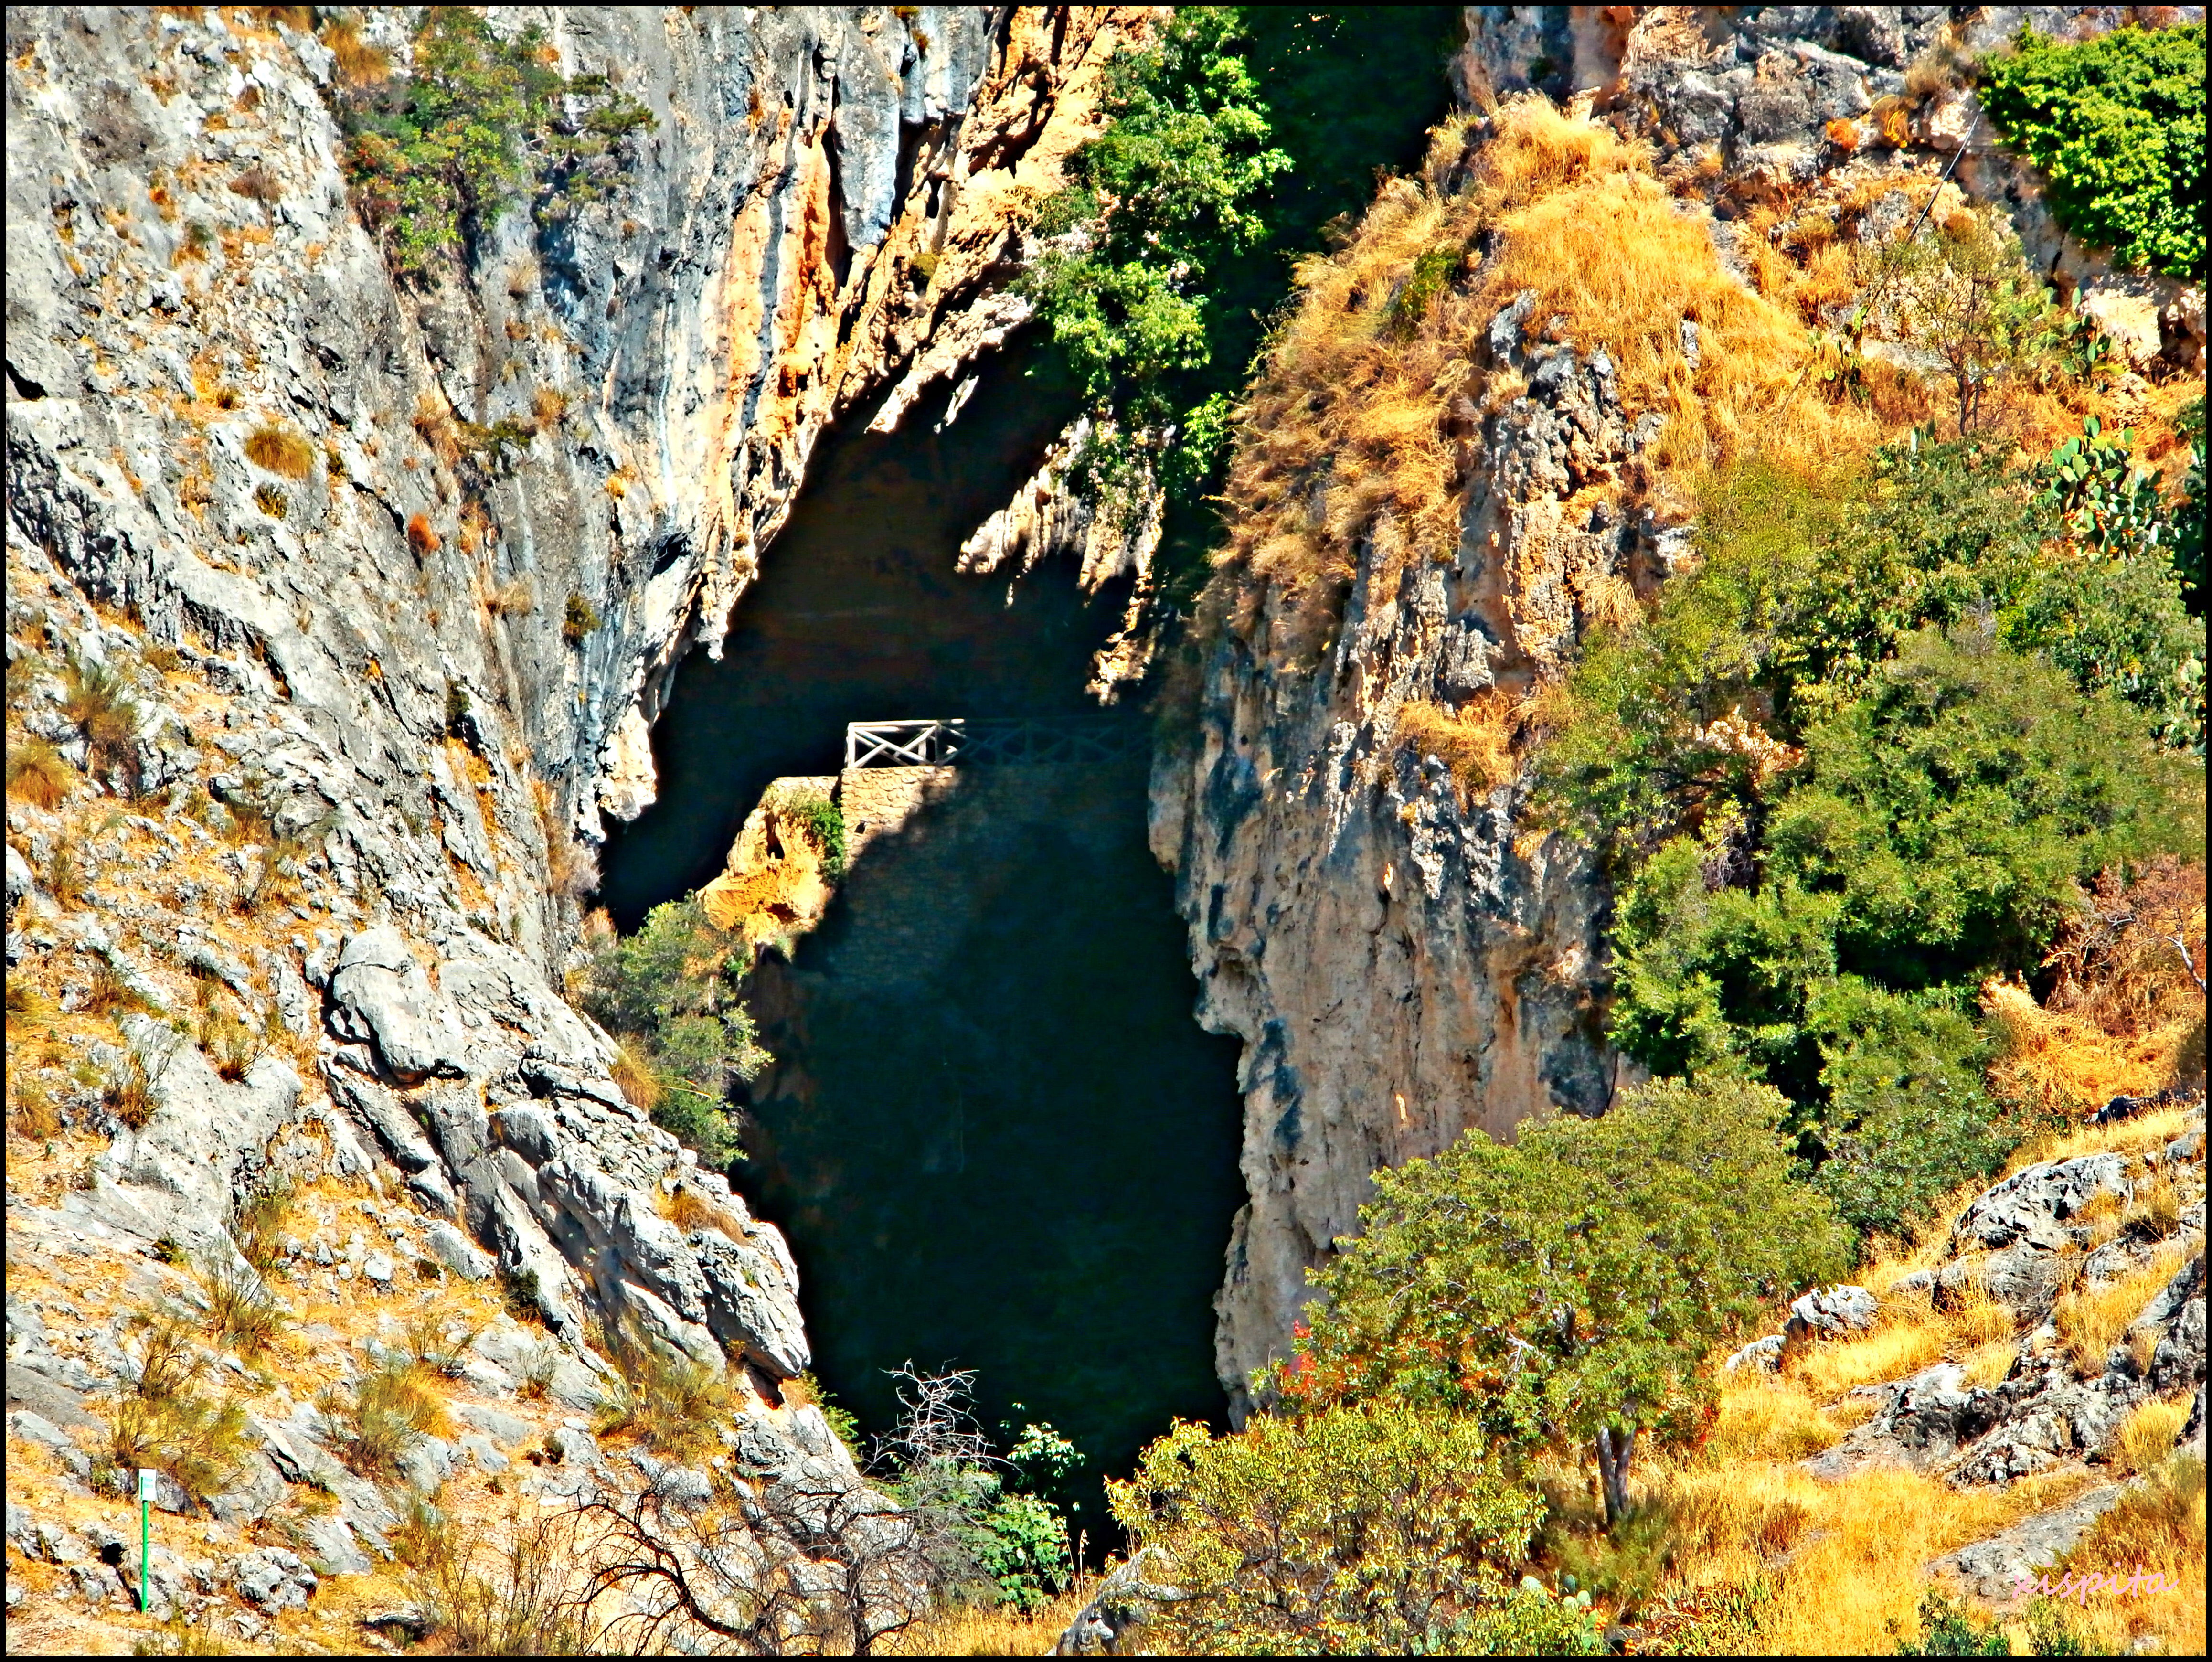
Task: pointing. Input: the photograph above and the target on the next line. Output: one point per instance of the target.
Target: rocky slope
(300, 922)
(1400, 962)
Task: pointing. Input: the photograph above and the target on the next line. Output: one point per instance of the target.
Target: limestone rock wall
(382, 687)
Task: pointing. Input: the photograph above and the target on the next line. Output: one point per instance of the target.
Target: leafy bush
(1572, 1285)
(2117, 126)
(1153, 203)
(580, 618)
(434, 160)
(824, 822)
(1948, 1629)
(1962, 289)
(1378, 1528)
(669, 992)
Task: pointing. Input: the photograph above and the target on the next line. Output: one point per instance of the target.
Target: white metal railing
(944, 742)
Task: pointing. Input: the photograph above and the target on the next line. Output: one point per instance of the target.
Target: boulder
(380, 989)
(274, 1577)
(2029, 1206)
(2001, 1566)
(458, 1253)
(752, 1303)
(1829, 1312)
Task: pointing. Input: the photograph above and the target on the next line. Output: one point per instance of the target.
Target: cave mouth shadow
(1020, 1156)
(999, 1138)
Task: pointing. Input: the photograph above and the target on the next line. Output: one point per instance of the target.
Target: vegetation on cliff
(484, 121)
(2117, 126)
(669, 994)
(1896, 771)
(1233, 137)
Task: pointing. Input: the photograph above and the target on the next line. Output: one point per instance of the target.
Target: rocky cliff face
(1403, 962)
(374, 679)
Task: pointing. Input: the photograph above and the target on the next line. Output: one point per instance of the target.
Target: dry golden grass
(38, 773)
(2158, 1526)
(2068, 1063)
(688, 1209)
(514, 599)
(1360, 437)
(960, 1630)
(1891, 1351)
(1771, 1418)
(1476, 744)
(1855, 1549)
(2091, 1318)
(280, 450)
(2134, 1138)
(2147, 1438)
(548, 404)
(634, 1075)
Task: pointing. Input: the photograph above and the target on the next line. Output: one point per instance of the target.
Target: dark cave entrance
(994, 1133)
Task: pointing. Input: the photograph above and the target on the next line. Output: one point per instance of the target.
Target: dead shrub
(32, 1113)
(258, 183)
(571, 868)
(386, 1413)
(280, 450)
(514, 599)
(110, 995)
(434, 423)
(421, 537)
(168, 1425)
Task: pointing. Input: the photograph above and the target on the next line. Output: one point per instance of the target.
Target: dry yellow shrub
(2149, 1434)
(1476, 744)
(1363, 430)
(2091, 1318)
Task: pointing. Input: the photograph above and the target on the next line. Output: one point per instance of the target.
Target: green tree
(1231, 140)
(1380, 1528)
(1933, 836)
(1153, 204)
(2117, 126)
(1569, 1287)
(434, 160)
(1961, 290)
(669, 991)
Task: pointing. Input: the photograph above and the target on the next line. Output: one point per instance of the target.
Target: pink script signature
(2078, 1587)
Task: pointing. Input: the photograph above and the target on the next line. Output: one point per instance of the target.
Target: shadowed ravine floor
(1013, 1149)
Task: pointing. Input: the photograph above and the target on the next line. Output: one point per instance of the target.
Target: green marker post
(145, 1539)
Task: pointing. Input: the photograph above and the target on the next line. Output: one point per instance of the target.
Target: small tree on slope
(1569, 1287)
